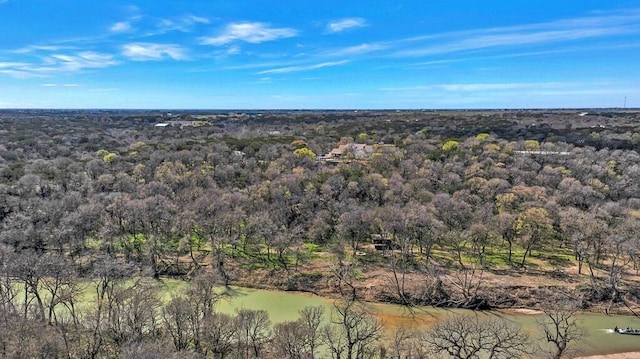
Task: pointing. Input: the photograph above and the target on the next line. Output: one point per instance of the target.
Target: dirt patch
(523, 311)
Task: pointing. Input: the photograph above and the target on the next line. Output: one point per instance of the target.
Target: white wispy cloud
(9, 65)
(58, 63)
(259, 65)
(345, 24)
(60, 85)
(16, 73)
(233, 50)
(356, 50)
(283, 70)
(516, 54)
(251, 32)
(78, 61)
(509, 88)
(121, 26)
(36, 48)
(509, 94)
(514, 39)
(150, 26)
(143, 51)
(561, 31)
(14, 69)
(473, 87)
(182, 24)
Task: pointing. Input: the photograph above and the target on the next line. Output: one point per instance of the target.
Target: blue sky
(219, 54)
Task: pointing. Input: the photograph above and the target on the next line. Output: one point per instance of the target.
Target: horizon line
(320, 109)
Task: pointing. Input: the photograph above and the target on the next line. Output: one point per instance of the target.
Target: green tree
(533, 225)
(531, 145)
(109, 157)
(304, 152)
(451, 146)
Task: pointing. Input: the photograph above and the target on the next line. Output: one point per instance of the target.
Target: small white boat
(627, 330)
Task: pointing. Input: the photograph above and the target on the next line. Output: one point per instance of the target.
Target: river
(284, 306)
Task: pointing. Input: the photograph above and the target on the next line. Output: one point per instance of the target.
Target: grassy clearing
(544, 258)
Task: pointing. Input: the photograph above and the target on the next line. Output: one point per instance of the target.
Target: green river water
(284, 306)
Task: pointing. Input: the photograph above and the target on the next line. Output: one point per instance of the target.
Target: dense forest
(461, 209)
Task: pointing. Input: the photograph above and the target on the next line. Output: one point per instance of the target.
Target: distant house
(338, 152)
(383, 244)
(359, 150)
(182, 123)
(543, 153)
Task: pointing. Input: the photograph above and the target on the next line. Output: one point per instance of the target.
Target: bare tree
(505, 224)
(352, 331)
(354, 226)
(586, 232)
(623, 244)
(311, 318)
(20, 338)
(289, 340)
(110, 273)
(8, 289)
(158, 228)
(221, 220)
(422, 228)
(473, 337)
(253, 332)
(406, 343)
(133, 313)
(202, 297)
(467, 283)
(151, 350)
(29, 268)
(393, 229)
(219, 335)
(299, 339)
(176, 317)
(561, 327)
(457, 216)
(61, 286)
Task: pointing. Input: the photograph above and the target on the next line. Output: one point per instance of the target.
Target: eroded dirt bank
(470, 290)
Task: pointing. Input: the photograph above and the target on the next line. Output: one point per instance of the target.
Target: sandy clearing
(633, 355)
